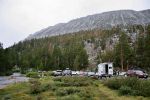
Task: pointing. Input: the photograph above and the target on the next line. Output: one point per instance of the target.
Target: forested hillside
(125, 47)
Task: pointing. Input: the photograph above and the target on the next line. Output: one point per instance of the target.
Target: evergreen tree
(140, 51)
(107, 56)
(147, 48)
(76, 63)
(83, 59)
(56, 57)
(5, 66)
(122, 51)
(2, 65)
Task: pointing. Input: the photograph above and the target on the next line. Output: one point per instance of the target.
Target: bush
(57, 79)
(7, 97)
(32, 74)
(86, 94)
(131, 82)
(48, 86)
(51, 73)
(125, 90)
(145, 88)
(136, 92)
(139, 87)
(113, 83)
(35, 86)
(67, 91)
(73, 81)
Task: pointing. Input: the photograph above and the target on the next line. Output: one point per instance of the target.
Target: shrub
(45, 87)
(57, 79)
(39, 97)
(51, 73)
(67, 91)
(125, 90)
(32, 74)
(145, 88)
(86, 94)
(131, 82)
(113, 83)
(136, 92)
(61, 84)
(7, 97)
(139, 87)
(35, 86)
(48, 86)
(73, 81)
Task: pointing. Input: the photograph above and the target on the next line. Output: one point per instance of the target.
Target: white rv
(105, 69)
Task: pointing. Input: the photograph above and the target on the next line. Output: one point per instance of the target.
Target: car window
(139, 72)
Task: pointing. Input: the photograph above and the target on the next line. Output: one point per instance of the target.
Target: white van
(105, 69)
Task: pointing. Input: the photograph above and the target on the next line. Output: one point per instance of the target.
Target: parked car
(73, 73)
(81, 73)
(85, 73)
(122, 73)
(78, 72)
(57, 73)
(138, 73)
(67, 71)
(91, 74)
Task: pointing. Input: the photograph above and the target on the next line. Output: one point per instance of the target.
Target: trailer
(105, 69)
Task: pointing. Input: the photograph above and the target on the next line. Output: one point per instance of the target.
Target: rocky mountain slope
(103, 21)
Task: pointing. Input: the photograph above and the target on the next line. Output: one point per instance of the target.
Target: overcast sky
(19, 18)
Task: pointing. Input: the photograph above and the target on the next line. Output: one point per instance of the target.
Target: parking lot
(68, 72)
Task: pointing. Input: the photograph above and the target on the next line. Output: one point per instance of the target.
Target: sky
(19, 18)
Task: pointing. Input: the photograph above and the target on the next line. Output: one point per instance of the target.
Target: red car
(137, 73)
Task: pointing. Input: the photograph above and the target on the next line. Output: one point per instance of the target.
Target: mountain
(103, 21)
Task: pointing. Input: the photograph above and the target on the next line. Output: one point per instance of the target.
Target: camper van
(105, 69)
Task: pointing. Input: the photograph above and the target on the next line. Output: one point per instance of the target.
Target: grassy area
(63, 88)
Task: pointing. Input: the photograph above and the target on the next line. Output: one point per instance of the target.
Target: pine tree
(56, 57)
(140, 51)
(5, 65)
(76, 63)
(83, 59)
(2, 65)
(147, 48)
(122, 51)
(107, 56)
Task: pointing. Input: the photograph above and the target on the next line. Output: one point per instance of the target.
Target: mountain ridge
(103, 20)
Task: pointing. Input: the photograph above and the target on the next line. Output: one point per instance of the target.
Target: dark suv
(137, 73)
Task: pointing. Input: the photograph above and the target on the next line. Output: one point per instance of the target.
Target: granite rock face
(104, 20)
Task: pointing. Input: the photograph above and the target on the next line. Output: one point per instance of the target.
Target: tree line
(59, 52)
